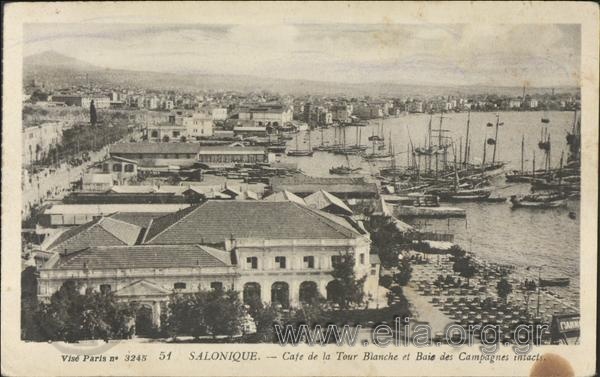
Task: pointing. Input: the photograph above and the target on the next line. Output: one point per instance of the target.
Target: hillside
(61, 70)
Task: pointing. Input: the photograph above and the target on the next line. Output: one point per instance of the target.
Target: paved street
(47, 185)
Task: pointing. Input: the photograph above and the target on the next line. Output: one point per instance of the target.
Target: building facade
(38, 140)
(280, 252)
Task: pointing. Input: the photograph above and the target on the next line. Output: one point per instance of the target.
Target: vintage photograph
(301, 182)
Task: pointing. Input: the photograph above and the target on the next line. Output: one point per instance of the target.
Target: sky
(535, 55)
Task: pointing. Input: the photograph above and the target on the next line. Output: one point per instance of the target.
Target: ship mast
(429, 147)
(522, 151)
(495, 139)
(467, 136)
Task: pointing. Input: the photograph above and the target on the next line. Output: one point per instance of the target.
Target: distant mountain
(55, 60)
(62, 70)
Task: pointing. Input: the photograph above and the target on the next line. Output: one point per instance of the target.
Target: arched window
(251, 293)
(308, 291)
(280, 294)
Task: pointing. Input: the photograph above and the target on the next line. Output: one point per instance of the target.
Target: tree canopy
(71, 316)
(347, 290)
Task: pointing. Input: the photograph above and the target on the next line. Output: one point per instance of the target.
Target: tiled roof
(143, 256)
(141, 219)
(215, 221)
(322, 199)
(152, 148)
(284, 196)
(104, 231)
(160, 224)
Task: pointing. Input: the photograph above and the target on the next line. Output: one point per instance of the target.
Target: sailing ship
(379, 135)
(393, 171)
(301, 152)
(378, 155)
(352, 149)
(522, 176)
(343, 169)
(494, 165)
(551, 199)
(458, 194)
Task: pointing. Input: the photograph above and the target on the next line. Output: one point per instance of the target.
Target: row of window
(309, 261)
(154, 134)
(129, 168)
(215, 285)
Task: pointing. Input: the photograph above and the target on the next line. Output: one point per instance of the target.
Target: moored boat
(342, 170)
(555, 282)
(300, 153)
(551, 200)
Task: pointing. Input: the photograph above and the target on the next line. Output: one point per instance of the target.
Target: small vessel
(377, 155)
(340, 170)
(555, 282)
(379, 135)
(551, 200)
(465, 195)
(343, 169)
(301, 152)
(496, 199)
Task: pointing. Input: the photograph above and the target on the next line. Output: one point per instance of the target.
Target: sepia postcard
(299, 188)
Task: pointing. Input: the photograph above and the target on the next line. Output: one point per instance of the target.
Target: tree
(71, 316)
(464, 267)
(185, 315)
(457, 252)
(93, 117)
(216, 312)
(386, 281)
(29, 304)
(387, 242)
(265, 316)
(503, 288)
(223, 312)
(402, 277)
(346, 289)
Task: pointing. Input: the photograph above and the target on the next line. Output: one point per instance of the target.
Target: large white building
(281, 252)
(39, 139)
(99, 102)
(267, 115)
(198, 124)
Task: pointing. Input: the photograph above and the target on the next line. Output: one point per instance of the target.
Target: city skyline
(449, 54)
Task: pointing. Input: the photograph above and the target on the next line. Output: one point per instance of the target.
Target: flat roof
(72, 209)
(231, 150)
(154, 148)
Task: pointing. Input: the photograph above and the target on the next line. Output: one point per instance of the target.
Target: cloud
(494, 54)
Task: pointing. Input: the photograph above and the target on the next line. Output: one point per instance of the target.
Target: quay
(429, 212)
